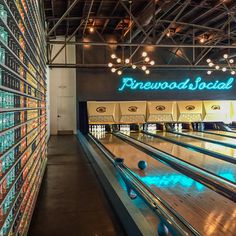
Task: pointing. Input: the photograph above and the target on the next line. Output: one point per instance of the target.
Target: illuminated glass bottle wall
(22, 113)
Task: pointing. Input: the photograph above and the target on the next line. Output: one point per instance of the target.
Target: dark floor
(71, 201)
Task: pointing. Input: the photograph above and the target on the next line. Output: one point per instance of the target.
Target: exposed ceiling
(188, 29)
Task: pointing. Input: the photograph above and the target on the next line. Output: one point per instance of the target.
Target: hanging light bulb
(231, 61)
(118, 60)
(152, 62)
(113, 70)
(144, 54)
(209, 72)
(147, 72)
(224, 69)
(232, 72)
(113, 56)
(202, 40)
(225, 56)
(91, 29)
(134, 66)
(127, 60)
(147, 59)
(119, 72)
(144, 67)
(217, 67)
(110, 64)
(208, 60)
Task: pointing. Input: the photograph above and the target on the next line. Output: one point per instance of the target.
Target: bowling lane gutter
(195, 148)
(214, 182)
(204, 139)
(169, 217)
(222, 135)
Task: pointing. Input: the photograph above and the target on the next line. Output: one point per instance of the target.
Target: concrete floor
(71, 201)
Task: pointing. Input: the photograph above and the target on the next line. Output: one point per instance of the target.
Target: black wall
(101, 85)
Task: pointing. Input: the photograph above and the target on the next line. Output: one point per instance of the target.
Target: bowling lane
(213, 137)
(199, 143)
(219, 132)
(209, 163)
(209, 212)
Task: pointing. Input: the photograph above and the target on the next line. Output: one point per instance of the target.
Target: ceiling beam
(108, 44)
(87, 18)
(156, 22)
(62, 17)
(75, 18)
(155, 67)
(107, 21)
(100, 7)
(134, 19)
(193, 25)
(66, 42)
(67, 22)
(183, 7)
(206, 51)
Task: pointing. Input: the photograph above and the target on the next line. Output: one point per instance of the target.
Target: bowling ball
(119, 160)
(142, 165)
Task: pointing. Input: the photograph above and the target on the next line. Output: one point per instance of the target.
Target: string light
(227, 67)
(225, 56)
(144, 67)
(144, 54)
(127, 61)
(211, 64)
(119, 64)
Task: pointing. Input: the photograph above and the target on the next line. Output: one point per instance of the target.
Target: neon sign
(197, 84)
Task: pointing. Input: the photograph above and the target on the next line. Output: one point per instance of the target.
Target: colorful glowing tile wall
(22, 113)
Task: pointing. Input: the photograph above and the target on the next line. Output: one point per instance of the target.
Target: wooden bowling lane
(209, 163)
(207, 211)
(212, 137)
(199, 143)
(222, 133)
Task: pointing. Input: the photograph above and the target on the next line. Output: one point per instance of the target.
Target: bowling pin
(176, 127)
(180, 127)
(154, 127)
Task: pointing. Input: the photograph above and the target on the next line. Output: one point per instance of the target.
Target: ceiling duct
(146, 16)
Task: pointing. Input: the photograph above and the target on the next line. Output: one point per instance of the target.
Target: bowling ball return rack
(169, 220)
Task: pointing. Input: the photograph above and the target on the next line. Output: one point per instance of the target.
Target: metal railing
(170, 220)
